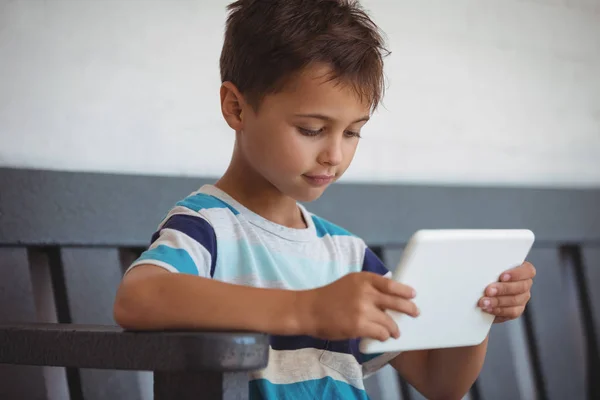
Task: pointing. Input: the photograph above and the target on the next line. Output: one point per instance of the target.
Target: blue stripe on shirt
(196, 228)
(325, 228)
(296, 342)
(305, 342)
(177, 258)
(327, 388)
(202, 201)
(372, 263)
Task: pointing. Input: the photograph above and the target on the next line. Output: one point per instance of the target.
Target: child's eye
(309, 132)
(352, 134)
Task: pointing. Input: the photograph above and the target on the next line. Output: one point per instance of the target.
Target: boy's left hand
(507, 298)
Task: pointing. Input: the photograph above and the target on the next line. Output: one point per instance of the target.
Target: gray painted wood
(392, 256)
(41, 280)
(507, 372)
(384, 385)
(521, 358)
(92, 276)
(194, 386)
(373, 388)
(17, 305)
(591, 264)
(124, 209)
(498, 378)
(557, 326)
(111, 347)
(590, 279)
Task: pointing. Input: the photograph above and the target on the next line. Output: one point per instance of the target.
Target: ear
(232, 105)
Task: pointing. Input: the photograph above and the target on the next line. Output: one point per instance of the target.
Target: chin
(306, 196)
(301, 192)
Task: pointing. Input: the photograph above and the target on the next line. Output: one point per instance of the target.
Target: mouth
(319, 180)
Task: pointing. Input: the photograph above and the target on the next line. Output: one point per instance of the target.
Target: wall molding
(40, 207)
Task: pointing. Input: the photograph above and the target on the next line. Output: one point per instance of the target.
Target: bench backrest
(67, 285)
(66, 237)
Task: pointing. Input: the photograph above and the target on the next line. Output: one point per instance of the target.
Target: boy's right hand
(354, 306)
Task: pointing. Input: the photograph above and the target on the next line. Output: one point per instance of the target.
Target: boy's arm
(442, 373)
(150, 298)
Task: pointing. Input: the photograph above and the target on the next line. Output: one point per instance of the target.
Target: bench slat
(206, 386)
(555, 319)
(18, 305)
(590, 258)
(104, 209)
(591, 265)
(501, 366)
(91, 277)
(109, 347)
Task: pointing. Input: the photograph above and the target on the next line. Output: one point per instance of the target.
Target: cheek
(349, 151)
(278, 147)
(293, 152)
(293, 146)
(259, 140)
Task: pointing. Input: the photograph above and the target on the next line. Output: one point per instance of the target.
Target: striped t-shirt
(211, 235)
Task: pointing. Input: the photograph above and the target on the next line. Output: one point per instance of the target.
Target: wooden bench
(65, 239)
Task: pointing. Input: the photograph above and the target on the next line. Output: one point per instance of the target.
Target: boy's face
(303, 138)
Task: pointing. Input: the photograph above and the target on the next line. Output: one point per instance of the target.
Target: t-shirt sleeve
(372, 263)
(184, 243)
(371, 363)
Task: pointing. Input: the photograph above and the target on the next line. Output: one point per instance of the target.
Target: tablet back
(450, 269)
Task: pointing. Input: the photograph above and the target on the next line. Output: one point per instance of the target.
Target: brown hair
(268, 41)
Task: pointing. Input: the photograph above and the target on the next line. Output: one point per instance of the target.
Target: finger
(505, 301)
(508, 288)
(374, 331)
(383, 319)
(522, 272)
(499, 320)
(387, 302)
(508, 312)
(389, 286)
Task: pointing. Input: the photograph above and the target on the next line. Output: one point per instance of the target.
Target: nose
(332, 152)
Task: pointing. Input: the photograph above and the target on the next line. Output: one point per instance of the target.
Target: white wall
(500, 91)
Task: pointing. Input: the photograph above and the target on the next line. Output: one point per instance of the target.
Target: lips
(319, 180)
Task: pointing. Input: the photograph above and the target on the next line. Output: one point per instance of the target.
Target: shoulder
(371, 262)
(324, 228)
(186, 237)
(202, 202)
(200, 210)
(340, 237)
(198, 216)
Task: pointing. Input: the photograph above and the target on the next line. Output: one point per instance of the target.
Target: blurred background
(509, 86)
(481, 94)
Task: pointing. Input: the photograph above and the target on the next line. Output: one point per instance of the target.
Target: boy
(300, 80)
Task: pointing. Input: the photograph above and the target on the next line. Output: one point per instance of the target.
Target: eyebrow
(326, 118)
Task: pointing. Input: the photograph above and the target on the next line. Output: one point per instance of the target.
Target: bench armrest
(111, 347)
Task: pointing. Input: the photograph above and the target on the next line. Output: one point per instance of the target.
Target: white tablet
(449, 270)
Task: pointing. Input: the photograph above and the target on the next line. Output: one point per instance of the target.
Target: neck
(254, 192)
